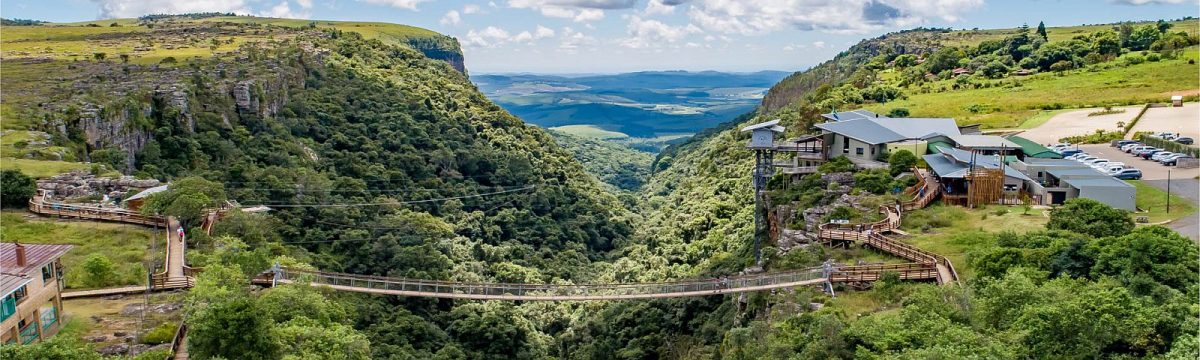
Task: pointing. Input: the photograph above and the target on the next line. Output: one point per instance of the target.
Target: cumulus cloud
(133, 8)
(451, 18)
(577, 10)
(748, 17)
(573, 40)
(659, 7)
(644, 33)
(402, 4)
(470, 9)
(283, 10)
(492, 37)
(541, 32)
(306, 4)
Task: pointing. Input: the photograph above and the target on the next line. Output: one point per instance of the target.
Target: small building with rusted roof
(31, 282)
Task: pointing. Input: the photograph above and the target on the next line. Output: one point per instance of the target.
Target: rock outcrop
(81, 184)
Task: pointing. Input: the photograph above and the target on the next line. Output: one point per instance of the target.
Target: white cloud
(541, 32)
(490, 36)
(573, 40)
(819, 44)
(645, 33)
(577, 10)
(658, 7)
(748, 17)
(451, 18)
(134, 8)
(282, 10)
(306, 4)
(402, 4)
(470, 9)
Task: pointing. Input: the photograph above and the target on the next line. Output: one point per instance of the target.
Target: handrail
(39, 205)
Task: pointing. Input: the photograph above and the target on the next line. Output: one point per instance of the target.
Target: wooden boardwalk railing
(872, 234)
(39, 205)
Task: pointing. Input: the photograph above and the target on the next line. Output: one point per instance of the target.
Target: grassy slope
(1060, 33)
(590, 132)
(1154, 201)
(79, 41)
(949, 233)
(1109, 83)
(127, 246)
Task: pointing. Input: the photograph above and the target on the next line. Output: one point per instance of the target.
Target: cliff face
(442, 48)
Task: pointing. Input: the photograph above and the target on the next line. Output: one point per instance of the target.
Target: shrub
(1090, 217)
(1134, 59)
(168, 60)
(898, 112)
(98, 271)
(875, 181)
(161, 334)
(1153, 57)
(901, 161)
(16, 188)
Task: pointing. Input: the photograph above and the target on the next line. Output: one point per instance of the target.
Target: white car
(1111, 165)
(1135, 149)
(1097, 163)
(1085, 159)
(1114, 170)
(1161, 155)
(1076, 156)
(1127, 147)
(1171, 157)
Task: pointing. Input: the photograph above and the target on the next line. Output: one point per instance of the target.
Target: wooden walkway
(104, 292)
(872, 234)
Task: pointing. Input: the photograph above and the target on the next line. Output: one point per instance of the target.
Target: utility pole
(1168, 191)
(762, 141)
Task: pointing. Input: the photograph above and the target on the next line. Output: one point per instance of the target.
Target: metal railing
(514, 291)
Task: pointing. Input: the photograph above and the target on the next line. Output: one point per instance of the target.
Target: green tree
(98, 271)
(1090, 217)
(1143, 36)
(186, 199)
(1041, 30)
(304, 338)
(901, 161)
(56, 348)
(16, 189)
(875, 181)
(905, 60)
(232, 328)
(1154, 252)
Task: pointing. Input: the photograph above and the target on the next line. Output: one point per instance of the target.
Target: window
(47, 272)
(845, 145)
(8, 307)
(20, 294)
(872, 150)
(49, 315)
(858, 151)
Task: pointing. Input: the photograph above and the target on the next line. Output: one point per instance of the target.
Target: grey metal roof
(769, 124)
(963, 158)
(1052, 162)
(1095, 182)
(983, 141)
(148, 192)
(850, 115)
(920, 127)
(944, 167)
(1075, 171)
(883, 130)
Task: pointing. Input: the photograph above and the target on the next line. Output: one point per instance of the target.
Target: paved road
(1183, 182)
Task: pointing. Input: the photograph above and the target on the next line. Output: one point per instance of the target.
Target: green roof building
(1034, 150)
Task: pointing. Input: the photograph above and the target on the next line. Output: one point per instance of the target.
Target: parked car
(1071, 152)
(1160, 155)
(1138, 151)
(1114, 170)
(1111, 165)
(1149, 153)
(1135, 149)
(1174, 160)
(1086, 158)
(1096, 164)
(1075, 155)
(1131, 145)
(1121, 143)
(1128, 174)
(1185, 140)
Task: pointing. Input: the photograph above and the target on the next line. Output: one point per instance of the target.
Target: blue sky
(601, 36)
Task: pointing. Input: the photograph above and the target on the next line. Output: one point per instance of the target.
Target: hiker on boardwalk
(181, 233)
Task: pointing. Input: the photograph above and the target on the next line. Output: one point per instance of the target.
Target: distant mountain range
(648, 105)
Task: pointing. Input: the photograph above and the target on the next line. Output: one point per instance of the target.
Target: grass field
(1154, 200)
(40, 168)
(590, 132)
(974, 37)
(946, 230)
(1004, 105)
(127, 246)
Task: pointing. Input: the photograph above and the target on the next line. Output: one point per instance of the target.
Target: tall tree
(1041, 30)
(1090, 217)
(15, 188)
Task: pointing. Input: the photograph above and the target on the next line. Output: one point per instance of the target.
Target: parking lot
(1150, 170)
(1182, 120)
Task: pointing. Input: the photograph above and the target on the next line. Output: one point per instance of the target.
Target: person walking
(181, 233)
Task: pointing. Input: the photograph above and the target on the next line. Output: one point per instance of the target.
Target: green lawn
(1154, 201)
(946, 230)
(1005, 105)
(590, 132)
(40, 168)
(127, 246)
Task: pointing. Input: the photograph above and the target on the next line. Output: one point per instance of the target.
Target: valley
(350, 190)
